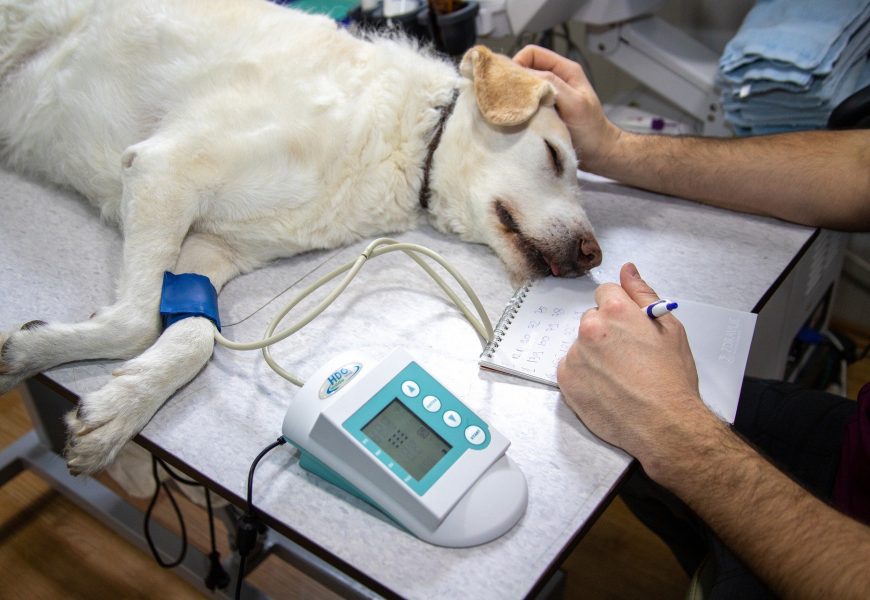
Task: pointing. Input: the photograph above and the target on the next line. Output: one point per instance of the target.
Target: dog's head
(508, 172)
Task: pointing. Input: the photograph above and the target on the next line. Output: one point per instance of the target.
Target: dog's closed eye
(506, 217)
(555, 159)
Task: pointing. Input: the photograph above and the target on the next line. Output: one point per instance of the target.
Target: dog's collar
(446, 111)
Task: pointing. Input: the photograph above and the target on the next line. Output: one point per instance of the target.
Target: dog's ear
(507, 94)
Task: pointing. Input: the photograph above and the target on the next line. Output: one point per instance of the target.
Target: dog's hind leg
(106, 419)
(157, 210)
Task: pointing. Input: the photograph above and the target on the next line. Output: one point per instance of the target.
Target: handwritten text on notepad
(548, 336)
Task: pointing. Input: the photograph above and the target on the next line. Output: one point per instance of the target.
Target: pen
(662, 307)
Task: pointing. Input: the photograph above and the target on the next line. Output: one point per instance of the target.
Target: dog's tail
(29, 26)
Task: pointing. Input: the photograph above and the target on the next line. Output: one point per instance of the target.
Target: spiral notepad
(537, 327)
(541, 320)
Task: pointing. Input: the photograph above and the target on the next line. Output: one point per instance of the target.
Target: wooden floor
(50, 549)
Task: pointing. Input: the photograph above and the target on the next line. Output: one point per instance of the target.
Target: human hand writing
(631, 379)
(593, 135)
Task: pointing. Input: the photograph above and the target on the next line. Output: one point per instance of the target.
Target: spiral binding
(510, 311)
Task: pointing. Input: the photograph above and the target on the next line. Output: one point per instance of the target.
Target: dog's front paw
(88, 449)
(104, 421)
(13, 365)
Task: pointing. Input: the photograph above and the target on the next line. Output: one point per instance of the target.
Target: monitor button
(411, 389)
(452, 418)
(432, 403)
(475, 435)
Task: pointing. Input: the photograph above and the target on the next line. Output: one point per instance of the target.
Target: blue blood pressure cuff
(188, 295)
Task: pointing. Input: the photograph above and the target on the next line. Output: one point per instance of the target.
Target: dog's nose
(576, 259)
(590, 253)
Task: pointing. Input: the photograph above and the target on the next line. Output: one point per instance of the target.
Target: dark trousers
(798, 430)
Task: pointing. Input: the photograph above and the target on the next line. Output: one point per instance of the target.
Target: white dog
(222, 134)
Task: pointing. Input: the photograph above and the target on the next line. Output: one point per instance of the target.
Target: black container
(455, 32)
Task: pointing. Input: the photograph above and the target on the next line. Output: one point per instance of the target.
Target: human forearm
(797, 544)
(817, 178)
(632, 381)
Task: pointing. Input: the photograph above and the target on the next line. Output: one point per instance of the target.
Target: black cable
(217, 577)
(147, 524)
(249, 525)
(280, 441)
(175, 475)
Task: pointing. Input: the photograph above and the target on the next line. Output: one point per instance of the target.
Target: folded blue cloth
(818, 91)
(809, 34)
(765, 69)
(777, 112)
(792, 62)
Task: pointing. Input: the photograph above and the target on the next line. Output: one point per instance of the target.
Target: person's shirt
(852, 484)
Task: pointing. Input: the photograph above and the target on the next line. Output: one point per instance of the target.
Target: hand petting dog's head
(510, 155)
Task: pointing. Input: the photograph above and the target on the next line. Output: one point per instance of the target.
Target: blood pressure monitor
(391, 434)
